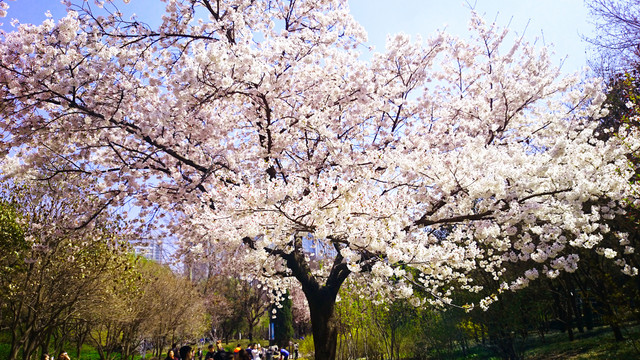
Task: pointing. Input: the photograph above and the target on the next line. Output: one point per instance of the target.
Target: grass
(597, 344)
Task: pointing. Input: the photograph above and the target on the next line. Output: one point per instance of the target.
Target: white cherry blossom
(259, 127)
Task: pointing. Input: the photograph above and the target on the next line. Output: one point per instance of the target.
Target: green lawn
(594, 345)
(597, 344)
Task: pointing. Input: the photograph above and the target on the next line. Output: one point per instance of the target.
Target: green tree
(157, 305)
(52, 270)
(225, 303)
(254, 303)
(171, 307)
(371, 328)
(283, 322)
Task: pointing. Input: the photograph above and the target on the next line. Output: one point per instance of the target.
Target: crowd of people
(252, 352)
(62, 356)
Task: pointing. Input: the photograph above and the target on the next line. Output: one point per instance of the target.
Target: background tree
(300, 310)
(160, 306)
(51, 271)
(221, 308)
(171, 307)
(372, 328)
(113, 319)
(282, 320)
(617, 39)
(254, 302)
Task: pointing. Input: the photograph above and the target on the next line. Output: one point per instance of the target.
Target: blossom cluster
(262, 127)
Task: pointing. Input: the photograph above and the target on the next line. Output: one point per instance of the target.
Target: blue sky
(558, 22)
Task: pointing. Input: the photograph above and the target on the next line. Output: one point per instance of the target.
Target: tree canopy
(262, 127)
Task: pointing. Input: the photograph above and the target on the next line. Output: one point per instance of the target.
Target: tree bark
(320, 297)
(13, 353)
(617, 333)
(325, 332)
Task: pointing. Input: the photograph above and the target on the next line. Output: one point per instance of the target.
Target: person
(284, 354)
(171, 355)
(63, 356)
(295, 351)
(210, 353)
(268, 355)
(255, 352)
(243, 355)
(45, 356)
(176, 353)
(221, 354)
(236, 351)
(186, 353)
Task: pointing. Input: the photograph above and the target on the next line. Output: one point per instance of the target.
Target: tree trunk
(82, 329)
(577, 313)
(617, 333)
(321, 298)
(17, 339)
(29, 347)
(13, 353)
(44, 346)
(325, 332)
(587, 312)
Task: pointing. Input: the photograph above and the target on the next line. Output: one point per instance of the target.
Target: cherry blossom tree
(259, 123)
(300, 310)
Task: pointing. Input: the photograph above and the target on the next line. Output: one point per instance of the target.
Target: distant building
(196, 270)
(151, 251)
(318, 250)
